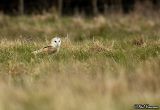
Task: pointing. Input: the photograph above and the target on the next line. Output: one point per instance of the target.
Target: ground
(105, 62)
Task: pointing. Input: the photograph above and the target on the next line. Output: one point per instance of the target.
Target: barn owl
(52, 48)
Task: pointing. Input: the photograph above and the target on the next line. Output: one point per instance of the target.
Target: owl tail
(37, 51)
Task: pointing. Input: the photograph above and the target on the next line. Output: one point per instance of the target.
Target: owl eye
(59, 40)
(55, 41)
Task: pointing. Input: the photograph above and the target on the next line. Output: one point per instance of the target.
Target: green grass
(89, 72)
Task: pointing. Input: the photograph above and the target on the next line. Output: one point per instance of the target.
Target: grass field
(104, 63)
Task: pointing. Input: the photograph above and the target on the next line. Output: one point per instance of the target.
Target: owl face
(56, 42)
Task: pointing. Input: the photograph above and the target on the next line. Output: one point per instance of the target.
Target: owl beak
(58, 45)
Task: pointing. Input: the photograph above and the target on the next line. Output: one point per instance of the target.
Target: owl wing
(47, 49)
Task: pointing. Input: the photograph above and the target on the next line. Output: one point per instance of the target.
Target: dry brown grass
(98, 66)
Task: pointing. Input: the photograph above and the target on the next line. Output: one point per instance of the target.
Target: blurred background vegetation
(72, 7)
(37, 19)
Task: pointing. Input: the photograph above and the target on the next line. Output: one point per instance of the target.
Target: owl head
(56, 42)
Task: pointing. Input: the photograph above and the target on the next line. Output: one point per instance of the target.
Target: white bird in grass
(52, 48)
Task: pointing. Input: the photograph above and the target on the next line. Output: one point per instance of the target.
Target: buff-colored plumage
(52, 48)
